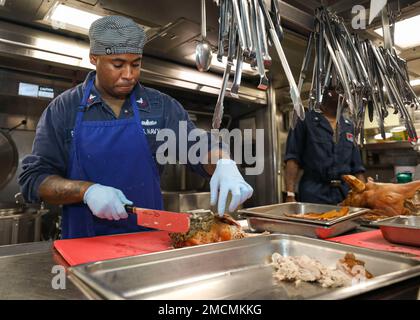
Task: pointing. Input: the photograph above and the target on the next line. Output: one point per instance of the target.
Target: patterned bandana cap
(116, 35)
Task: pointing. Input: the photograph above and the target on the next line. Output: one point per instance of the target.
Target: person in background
(95, 144)
(311, 147)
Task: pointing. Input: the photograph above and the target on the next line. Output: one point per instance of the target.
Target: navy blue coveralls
(312, 145)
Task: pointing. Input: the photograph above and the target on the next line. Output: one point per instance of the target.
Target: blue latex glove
(106, 202)
(225, 179)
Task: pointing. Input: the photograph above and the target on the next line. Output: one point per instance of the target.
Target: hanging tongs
(294, 91)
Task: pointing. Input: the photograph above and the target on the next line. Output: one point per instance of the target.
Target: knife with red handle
(161, 220)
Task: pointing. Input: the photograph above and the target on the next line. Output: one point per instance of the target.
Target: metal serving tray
(401, 229)
(279, 211)
(238, 269)
(300, 228)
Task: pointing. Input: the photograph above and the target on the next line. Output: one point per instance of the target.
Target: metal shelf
(388, 145)
(379, 166)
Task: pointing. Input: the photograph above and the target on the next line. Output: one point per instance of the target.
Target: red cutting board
(374, 240)
(84, 250)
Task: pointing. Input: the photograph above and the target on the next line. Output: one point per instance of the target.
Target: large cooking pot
(19, 222)
(9, 158)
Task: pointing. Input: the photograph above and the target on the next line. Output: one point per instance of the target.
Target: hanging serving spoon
(203, 53)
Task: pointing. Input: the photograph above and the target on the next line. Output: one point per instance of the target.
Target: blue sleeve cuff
(35, 197)
(212, 145)
(292, 156)
(30, 190)
(357, 170)
(199, 169)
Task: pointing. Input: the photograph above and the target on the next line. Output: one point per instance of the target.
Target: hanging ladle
(203, 53)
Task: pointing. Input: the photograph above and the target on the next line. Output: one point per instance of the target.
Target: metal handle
(15, 231)
(238, 74)
(203, 20)
(129, 209)
(19, 198)
(237, 16)
(244, 8)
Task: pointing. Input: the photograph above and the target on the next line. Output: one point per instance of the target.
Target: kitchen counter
(406, 290)
(26, 273)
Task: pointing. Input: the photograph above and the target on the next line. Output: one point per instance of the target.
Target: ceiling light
(2, 3)
(405, 33)
(415, 82)
(65, 17)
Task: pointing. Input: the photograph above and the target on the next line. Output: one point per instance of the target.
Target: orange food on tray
(207, 227)
(329, 215)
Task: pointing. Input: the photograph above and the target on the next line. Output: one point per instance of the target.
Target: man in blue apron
(95, 145)
(311, 147)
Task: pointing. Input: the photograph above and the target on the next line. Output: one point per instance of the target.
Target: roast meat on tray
(384, 199)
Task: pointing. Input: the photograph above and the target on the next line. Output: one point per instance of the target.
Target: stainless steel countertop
(26, 273)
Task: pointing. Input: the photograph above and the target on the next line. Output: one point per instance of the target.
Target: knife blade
(160, 219)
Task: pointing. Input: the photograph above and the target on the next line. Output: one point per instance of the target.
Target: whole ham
(385, 199)
(207, 227)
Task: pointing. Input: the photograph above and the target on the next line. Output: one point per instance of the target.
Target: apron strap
(74, 155)
(138, 121)
(136, 112)
(83, 103)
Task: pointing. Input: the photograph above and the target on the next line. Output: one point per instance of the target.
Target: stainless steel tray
(401, 229)
(278, 211)
(300, 228)
(238, 269)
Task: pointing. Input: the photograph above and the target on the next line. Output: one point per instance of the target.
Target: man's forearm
(57, 190)
(215, 154)
(292, 171)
